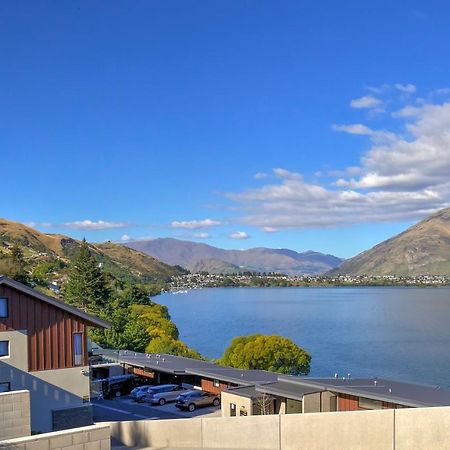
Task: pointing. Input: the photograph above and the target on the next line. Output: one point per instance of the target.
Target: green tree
(134, 294)
(86, 286)
(165, 344)
(12, 269)
(273, 353)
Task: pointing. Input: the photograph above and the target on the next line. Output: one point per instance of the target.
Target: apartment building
(44, 349)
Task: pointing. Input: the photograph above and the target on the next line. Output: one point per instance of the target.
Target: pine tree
(86, 287)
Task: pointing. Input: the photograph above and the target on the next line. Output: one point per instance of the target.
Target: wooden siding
(347, 402)
(142, 373)
(208, 386)
(49, 329)
(351, 403)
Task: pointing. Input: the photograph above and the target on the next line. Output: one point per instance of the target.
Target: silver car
(138, 393)
(160, 395)
(193, 399)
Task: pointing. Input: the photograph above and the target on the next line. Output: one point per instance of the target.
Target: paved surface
(124, 408)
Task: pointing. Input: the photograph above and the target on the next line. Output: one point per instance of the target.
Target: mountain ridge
(189, 254)
(422, 249)
(121, 261)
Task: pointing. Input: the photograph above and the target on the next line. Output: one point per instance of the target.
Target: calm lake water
(385, 332)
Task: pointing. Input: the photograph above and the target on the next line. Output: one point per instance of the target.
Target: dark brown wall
(347, 403)
(351, 403)
(208, 386)
(49, 330)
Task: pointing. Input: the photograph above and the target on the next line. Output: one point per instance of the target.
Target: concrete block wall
(14, 414)
(389, 429)
(95, 437)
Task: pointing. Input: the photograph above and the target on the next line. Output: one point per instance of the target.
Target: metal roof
(287, 389)
(238, 376)
(160, 362)
(244, 391)
(392, 391)
(179, 365)
(93, 320)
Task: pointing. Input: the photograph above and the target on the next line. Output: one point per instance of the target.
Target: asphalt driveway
(123, 408)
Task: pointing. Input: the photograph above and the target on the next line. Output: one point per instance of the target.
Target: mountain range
(123, 262)
(198, 257)
(423, 249)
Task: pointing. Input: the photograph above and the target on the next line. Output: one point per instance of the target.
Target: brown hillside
(423, 249)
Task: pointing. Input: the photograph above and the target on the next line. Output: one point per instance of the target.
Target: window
(4, 348)
(216, 383)
(3, 308)
(368, 403)
(5, 387)
(78, 349)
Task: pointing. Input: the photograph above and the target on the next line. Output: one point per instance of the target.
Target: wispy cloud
(94, 225)
(260, 175)
(195, 224)
(354, 128)
(239, 235)
(407, 88)
(269, 229)
(39, 225)
(366, 102)
(403, 176)
(202, 235)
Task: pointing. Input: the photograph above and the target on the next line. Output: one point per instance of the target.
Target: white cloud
(354, 128)
(269, 229)
(125, 238)
(407, 111)
(195, 224)
(366, 102)
(406, 88)
(202, 235)
(260, 175)
(403, 176)
(39, 224)
(94, 225)
(239, 235)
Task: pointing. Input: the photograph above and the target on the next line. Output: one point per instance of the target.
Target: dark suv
(191, 400)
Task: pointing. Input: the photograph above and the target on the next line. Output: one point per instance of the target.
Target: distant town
(180, 283)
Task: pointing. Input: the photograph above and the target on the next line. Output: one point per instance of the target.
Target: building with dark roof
(303, 395)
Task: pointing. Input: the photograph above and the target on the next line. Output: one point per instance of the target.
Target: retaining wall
(14, 414)
(400, 429)
(95, 437)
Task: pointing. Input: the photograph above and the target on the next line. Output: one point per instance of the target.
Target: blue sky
(308, 125)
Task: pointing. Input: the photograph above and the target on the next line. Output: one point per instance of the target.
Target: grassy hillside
(423, 249)
(124, 263)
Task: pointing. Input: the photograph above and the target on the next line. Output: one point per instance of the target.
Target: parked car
(164, 393)
(191, 400)
(138, 393)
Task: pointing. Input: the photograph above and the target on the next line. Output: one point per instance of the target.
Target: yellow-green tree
(273, 353)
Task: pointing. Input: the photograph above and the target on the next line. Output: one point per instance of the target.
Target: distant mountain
(214, 266)
(123, 262)
(192, 256)
(423, 249)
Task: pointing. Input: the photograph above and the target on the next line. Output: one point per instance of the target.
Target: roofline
(365, 394)
(156, 367)
(229, 379)
(93, 320)
(265, 388)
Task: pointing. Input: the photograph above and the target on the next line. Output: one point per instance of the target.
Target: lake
(366, 331)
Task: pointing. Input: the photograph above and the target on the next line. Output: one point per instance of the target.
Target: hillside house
(44, 349)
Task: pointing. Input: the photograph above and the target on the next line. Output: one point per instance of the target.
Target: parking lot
(124, 408)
